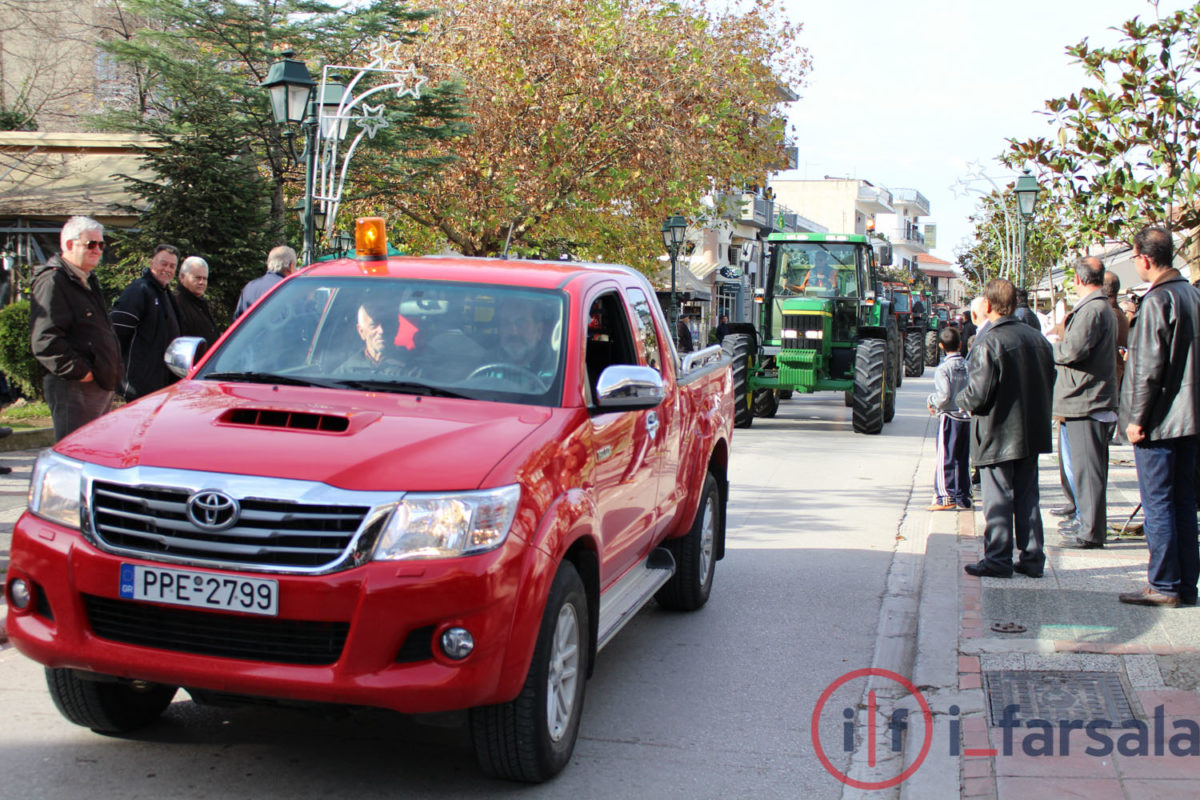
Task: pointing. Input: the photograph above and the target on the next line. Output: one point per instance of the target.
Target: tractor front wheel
(737, 345)
(870, 385)
(931, 348)
(914, 355)
(766, 403)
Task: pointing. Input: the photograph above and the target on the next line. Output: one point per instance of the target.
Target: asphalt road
(705, 705)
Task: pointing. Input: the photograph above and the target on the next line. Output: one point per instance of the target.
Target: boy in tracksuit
(952, 482)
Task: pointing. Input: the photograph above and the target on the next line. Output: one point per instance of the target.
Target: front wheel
(914, 354)
(766, 403)
(870, 385)
(695, 554)
(104, 704)
(531, 737)
(737, 345)
(931, 348)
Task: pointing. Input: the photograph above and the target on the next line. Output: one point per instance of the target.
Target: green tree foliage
(1125, 151)
(16, 358)
(209, 199)
(200, 62)
(995, 251)
(593, 119)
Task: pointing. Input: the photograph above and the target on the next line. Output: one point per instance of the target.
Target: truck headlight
(55, 489)
(448, 525)
(814, 334)
(788, 333)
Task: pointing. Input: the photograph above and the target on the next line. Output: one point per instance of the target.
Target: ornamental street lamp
(673, 228)
(324, 111)
(1026, 191)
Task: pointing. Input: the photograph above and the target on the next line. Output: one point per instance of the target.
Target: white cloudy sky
(905, 95)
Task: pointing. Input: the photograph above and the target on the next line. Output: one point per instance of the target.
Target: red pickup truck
(421, 484)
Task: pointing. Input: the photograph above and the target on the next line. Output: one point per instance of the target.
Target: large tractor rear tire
(914, 354)
(870, 385)
(931, 349)
(737, 345)
(766, 403)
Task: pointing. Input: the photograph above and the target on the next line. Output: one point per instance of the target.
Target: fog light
(19, 594)
(457, 643)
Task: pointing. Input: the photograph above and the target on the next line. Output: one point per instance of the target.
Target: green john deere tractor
(939, 317)
(824, 327)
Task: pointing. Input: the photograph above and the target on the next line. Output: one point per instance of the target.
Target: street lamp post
(324, 111)
(1026, 191)
(673, 229)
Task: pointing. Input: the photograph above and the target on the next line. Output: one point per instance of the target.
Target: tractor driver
(821, 277)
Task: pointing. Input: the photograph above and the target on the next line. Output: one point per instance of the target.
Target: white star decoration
(385, 52)
(371, 120)
(410, 82)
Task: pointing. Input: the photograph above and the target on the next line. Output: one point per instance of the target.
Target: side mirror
(183, 353)
(629, 387)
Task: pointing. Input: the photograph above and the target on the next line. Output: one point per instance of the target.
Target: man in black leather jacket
(1160, 400)
(1008, 395)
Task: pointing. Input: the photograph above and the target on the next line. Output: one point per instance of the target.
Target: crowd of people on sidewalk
(1095, 372)
(93, 354)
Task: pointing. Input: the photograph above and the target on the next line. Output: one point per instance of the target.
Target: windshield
(900, 302)
(827, 269)
(479, 341)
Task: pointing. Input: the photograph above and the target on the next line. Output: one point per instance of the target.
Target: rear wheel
(785, 394)
(914, 354)
(849, 398)
(870, 384)
(737, 345)
(531, 737)
(766, 403)
(931, 348)
(695, 555)
(104, 704)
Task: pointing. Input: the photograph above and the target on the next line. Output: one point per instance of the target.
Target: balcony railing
(913, 199)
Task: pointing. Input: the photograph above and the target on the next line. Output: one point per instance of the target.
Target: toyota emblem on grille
(211, 510)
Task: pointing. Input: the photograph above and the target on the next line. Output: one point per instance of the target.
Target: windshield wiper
(268, 377)
(402, 387)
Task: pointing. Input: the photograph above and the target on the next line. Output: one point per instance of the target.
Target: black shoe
(1027, 570)
(966, 506)
(981, 570)
(1063, 511)
(5, 470)
(5, 431)
(1075, 543)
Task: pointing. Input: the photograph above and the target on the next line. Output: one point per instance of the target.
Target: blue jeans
(1166, 473)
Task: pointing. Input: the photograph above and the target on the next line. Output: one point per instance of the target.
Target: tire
(889, 391)
(695, 554)
(785, 394)
(931, 348)
(766, 403)
(870, 384)
(914, 355)
(531, 737)
(896, 349)
(849, 398)
(737, 345)
(106, 705)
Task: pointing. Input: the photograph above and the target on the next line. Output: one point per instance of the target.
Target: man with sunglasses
(70, 332)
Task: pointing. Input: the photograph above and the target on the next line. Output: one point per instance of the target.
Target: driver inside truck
(821, 277)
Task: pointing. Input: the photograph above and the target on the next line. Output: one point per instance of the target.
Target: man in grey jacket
(1008, 394)
(1085, 398)
(1161, 401)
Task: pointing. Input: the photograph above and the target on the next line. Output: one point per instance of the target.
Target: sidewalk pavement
(1063, 648)
(14, 493)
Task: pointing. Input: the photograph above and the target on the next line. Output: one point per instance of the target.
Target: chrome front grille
(270, 534)
(801, 323)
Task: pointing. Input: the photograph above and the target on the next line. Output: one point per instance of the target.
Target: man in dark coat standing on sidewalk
(1160, 399)
(70, 331)
(146, 321)
(281, 262)
(1008, 395)
(195, 317)
(1085, 398)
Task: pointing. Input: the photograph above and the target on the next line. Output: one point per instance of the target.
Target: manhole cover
(1057, 695)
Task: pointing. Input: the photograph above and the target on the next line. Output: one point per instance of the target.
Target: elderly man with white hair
(195, 316)
(70, 331)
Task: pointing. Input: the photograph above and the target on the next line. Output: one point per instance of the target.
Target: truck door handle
(652, 424)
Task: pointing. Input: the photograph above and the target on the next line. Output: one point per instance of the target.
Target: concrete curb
(27, 439)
